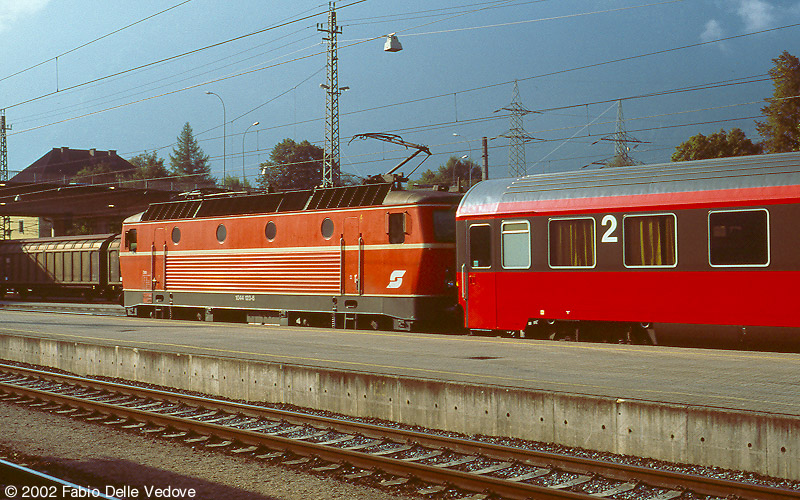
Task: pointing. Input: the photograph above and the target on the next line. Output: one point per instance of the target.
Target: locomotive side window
(444, 225)
(397, 228)
(515, 245)
(130, 240)
(222, 233)
(327, 228)
(271, 231)
(571, 242)
(480, 246)
(650, 240)
(176, 235)
(738, 238)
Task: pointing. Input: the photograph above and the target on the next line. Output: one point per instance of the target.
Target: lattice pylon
(5, 230)
(331, 173)
(517, 165)
(621, 140)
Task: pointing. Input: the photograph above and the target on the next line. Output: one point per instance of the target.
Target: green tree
(292, 165)
(454, 169)
(188, 160)
(717, 145)
(98, 173)
(148, 166)
(236, 184)
(781, 126)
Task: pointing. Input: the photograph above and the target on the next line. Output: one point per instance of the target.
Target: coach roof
(632, 186)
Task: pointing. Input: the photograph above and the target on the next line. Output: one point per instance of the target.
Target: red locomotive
(631, 253)
(349, 256)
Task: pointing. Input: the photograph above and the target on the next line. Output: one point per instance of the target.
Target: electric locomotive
(701, 248)
(353, 256)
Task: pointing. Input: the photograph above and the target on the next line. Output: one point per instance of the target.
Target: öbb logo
(396, 278)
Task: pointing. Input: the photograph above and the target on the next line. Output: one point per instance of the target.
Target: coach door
(158, 260)
(353, 257)
(480, 289)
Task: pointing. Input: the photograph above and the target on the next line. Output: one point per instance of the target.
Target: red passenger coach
(364, 255)
(633, 253)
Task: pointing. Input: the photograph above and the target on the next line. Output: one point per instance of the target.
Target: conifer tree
(188, 160)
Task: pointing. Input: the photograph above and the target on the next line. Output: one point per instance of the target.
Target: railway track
(427, 463)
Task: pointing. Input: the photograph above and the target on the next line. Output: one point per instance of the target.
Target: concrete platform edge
(762, 443)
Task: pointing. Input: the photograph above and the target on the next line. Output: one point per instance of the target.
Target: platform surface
(738, 380)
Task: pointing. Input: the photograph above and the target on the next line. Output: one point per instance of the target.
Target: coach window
(222, 233)
(130, 240)
(571, 242)
(397, 228)
(738, 238)
(650, 240)
(515, 245)
(271, 231)
(480, 246)
(176, 235)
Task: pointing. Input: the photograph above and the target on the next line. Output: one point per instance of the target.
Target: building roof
(61, 165)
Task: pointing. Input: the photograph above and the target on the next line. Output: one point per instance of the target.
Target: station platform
(731, 409)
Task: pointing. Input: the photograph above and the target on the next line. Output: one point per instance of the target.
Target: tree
(292, 165)
(781, 126)
(236, 184)
(98, 173)
(718, 145)
(454, 169)
(148, 166)
(188, 160)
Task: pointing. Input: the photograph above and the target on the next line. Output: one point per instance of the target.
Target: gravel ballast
(94, 455)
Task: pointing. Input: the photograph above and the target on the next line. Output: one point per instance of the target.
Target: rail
(355, 449)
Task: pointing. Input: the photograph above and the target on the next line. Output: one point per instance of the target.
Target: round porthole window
(222, 233)
(270, 231)
(327, 228)
(176, 235)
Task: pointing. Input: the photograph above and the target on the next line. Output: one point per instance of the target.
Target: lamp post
(456, 134)
(244, 177)
(224, 134)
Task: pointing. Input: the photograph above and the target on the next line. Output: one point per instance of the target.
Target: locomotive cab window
(650, 240)
(515, 245)
(738, 238)
(397, 228)
(444, 225)
(130, 240)
(480, 246)
(571, 243)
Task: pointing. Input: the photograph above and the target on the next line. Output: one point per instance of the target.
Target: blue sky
(459, 60)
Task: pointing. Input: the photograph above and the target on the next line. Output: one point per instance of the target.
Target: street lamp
(244, 177)
(224, 134)
(456, 134)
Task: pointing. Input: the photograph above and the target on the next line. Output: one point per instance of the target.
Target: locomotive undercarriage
(349, 312)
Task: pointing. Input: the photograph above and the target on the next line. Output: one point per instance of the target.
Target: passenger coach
(632, 253)
(350, 256)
